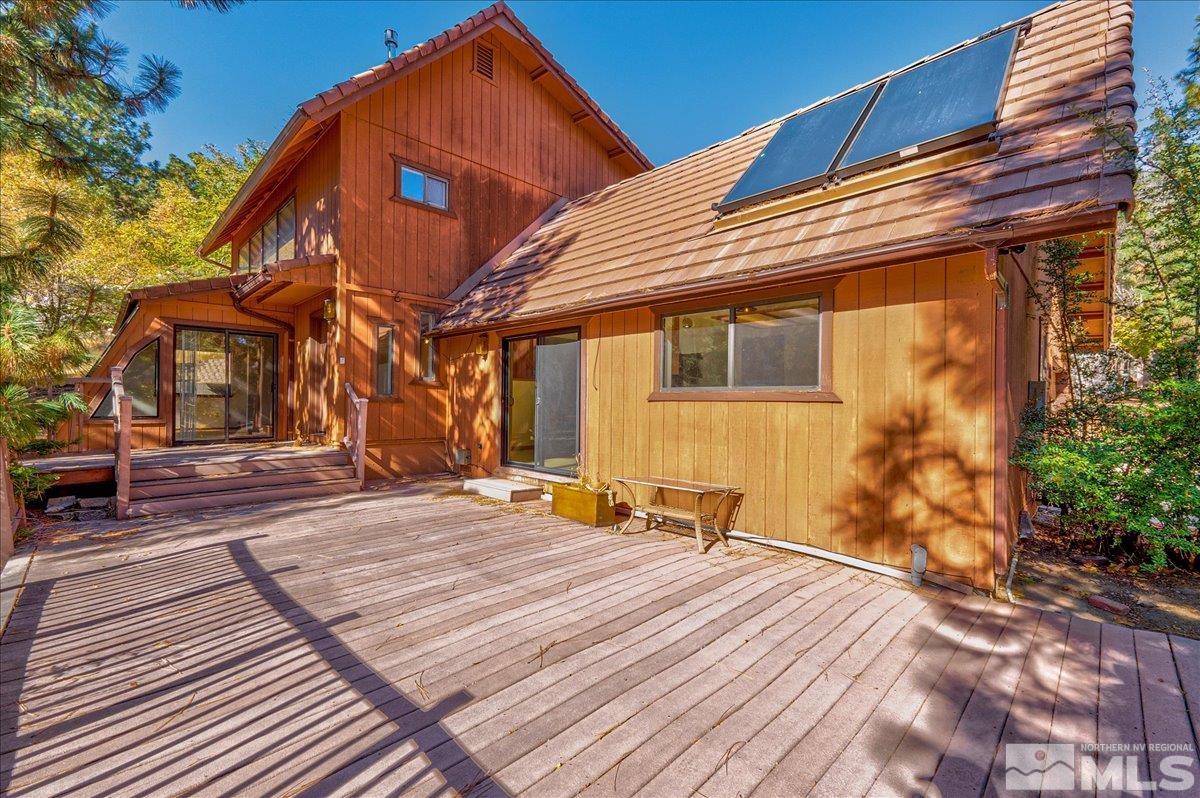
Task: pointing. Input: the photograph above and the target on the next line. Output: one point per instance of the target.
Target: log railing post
(356, 433)
(122, 438)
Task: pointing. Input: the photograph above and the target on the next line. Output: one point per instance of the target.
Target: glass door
(541, 401)
(224, 385)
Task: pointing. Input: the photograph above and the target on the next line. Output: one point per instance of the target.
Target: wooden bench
(659, 509)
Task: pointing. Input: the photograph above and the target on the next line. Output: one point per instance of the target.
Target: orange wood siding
(405, 432)
(158, 317)
(508, 148)
(905, 457)
(314, 183)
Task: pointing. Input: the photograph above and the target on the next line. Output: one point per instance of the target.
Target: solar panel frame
(734, 199)
(844, 169)
(838, 170)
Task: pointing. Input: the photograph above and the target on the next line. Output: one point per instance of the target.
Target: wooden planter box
(580, 504)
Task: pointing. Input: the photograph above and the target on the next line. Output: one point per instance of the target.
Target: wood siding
(509, 150)
(905, 457)
(314, 183)
(406, 432)
(158, 318)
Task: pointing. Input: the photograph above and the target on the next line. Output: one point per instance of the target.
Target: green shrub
(1133, 482)
(29, 483)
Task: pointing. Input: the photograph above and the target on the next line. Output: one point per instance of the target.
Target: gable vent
(485, 61)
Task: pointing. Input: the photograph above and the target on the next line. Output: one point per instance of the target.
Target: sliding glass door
(224, 385)
(541, 401)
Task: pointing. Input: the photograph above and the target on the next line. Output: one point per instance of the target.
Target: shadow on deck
(230, 682)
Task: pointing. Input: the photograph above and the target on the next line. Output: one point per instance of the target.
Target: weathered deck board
(405, 643)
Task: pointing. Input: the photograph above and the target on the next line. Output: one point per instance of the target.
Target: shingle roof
(335, 96)
(654, 232)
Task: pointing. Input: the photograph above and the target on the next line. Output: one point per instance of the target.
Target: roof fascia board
(290, 129)
(366, 91)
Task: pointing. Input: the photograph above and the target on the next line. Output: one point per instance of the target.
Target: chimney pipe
(390, 42)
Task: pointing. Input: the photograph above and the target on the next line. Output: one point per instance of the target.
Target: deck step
(147, 470)
(503, 489)
(229, 498)
(239, 480)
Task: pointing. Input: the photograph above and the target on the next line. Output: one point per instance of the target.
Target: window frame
(420, 378)
(158, 372)
(243, 254)
(823, 291)
(400, 164)
(376, 325)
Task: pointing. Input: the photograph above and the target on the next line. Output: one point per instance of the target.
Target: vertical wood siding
(314, 183)
(905, 457)
(509, 151)
(508, 148)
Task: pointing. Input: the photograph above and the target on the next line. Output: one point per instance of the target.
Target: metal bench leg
(699, 527)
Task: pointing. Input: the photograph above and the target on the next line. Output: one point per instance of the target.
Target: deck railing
(10, 517)
(122, 438)
(356, 433)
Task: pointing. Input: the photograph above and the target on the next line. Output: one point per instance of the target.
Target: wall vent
(485, 61)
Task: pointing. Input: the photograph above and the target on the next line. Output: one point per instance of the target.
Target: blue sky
(676, 76)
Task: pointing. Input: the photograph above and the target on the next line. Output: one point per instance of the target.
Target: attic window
(485, 61)
(422, 187)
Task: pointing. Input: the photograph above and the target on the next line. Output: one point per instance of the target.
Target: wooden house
(457, 261)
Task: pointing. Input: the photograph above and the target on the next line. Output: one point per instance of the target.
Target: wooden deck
(404, 643)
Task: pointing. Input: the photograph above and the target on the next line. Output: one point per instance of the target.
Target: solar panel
(802, 150)
(955, 94)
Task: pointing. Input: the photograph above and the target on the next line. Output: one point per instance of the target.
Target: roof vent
(485, 61)
(390, 42)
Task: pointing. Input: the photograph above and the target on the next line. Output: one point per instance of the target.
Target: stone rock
(1095, 560)
(1108, 605)
(1047, 515)
(60, 503)
(96, 503)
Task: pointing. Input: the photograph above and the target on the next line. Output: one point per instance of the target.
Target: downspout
(291, 331)
(1000, 552)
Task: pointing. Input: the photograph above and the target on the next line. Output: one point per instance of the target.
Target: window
(427, 356)
(385, 359)
(418, 186)
(273, 242)
(762, 345)
(141, 385)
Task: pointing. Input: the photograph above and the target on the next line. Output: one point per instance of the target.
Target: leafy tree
(72, 138)
(1158, 294)
(1123, 462)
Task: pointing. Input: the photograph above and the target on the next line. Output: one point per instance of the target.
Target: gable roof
(656, 234)
(314, 116)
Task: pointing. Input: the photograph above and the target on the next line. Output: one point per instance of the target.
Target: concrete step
(240, 480)
(505, 490)
(229, 498)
